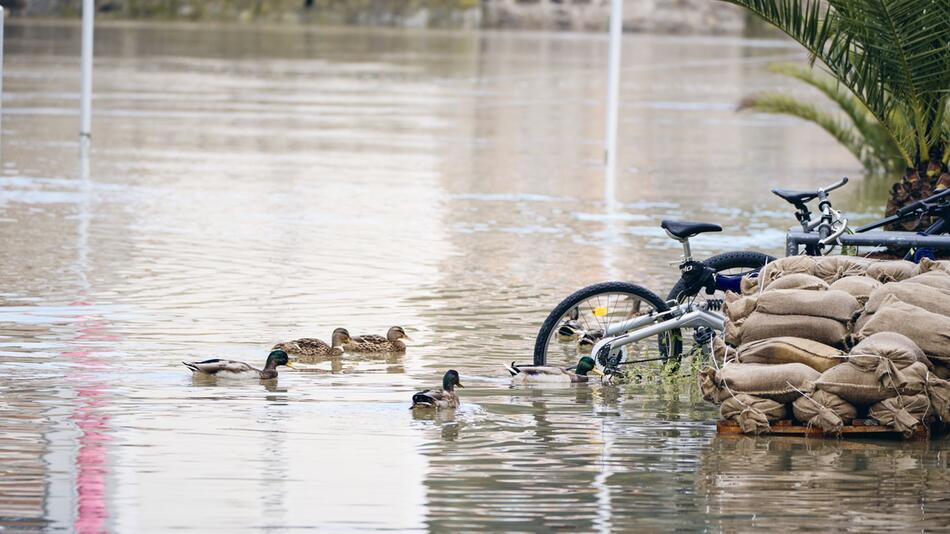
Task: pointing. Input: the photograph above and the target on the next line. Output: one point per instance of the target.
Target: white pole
(85, 97)
(613, 96)
(2, 22)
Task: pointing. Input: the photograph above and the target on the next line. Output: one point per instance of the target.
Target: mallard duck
(374, 343)
(587, 341)
(570, 329)
(310, 347)
(440, 398)
(541, 373)
(219, 368)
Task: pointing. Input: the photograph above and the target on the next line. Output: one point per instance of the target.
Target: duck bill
(597, 371)
(292, 366)
(459, 384)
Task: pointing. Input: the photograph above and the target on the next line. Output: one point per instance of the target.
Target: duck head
(450, 380)
(277, 358)
(339, 338)
(396, 333)
(587, 365)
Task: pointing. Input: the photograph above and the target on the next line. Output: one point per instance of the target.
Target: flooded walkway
(247, 186)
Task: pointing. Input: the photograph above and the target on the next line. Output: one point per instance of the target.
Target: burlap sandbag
(797, 281)
(821, 329)
(892, 346)
(781, 383)
(861, 321)
(892, 271)
(749, 285)
(753, 414)
(710, 385)
(863, 388)
(786, 266)
(938, 390)
(737, 307)
(938, 279)
(927, 265)
(722, 352)
(732, 334)
(932, 299)
(941, 369)
(859, 287)
(825, 410)
(830, 304)
(903, 413)
(930, 331)
(831, 268)
(818, 356)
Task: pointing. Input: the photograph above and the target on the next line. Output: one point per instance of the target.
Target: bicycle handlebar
(833, 186)
(922, 203)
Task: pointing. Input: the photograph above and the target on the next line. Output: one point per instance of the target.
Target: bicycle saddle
(796, 197)
(687, 229)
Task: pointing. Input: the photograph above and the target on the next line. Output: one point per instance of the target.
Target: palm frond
(877, 138)
(890, 54)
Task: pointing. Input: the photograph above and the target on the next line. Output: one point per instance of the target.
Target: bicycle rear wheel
(585, 316)
(732, 264)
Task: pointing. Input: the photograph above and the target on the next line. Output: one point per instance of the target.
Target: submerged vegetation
(888, 70)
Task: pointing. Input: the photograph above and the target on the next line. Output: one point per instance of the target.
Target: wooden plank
(858, 428)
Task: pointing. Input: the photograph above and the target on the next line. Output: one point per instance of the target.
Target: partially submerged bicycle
(616, 321)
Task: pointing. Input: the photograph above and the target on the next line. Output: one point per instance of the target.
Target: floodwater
(246, 186)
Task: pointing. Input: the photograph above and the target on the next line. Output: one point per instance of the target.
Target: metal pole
(613, 96)
(85, 97)
(2, 23)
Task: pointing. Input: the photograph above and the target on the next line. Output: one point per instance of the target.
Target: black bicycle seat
(687, 229)
(796, 197)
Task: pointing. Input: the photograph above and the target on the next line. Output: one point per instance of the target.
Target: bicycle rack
(795, 238)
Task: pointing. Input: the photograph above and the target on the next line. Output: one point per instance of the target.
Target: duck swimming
(239, 370)
(310, 347)
(440, 398)
(375, 343)
(535, 374)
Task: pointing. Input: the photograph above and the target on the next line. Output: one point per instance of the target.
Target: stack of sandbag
(819, 314)
(917, 306)
(886, 374)
(787, 337)
(755, 395)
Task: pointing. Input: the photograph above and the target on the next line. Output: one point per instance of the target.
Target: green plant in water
(888, 70)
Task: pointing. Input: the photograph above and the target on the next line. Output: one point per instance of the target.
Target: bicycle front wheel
(581, 320)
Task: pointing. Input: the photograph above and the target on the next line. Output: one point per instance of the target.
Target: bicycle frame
(681, 316)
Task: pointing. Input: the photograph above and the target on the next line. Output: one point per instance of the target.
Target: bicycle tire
(740, 259)
(581, 295)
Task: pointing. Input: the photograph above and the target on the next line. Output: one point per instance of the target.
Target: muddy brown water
(250, 185)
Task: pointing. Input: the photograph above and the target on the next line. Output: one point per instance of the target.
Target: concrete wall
(662, 16)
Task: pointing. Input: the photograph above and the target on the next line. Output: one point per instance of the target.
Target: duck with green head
(231, 369)
(439, 398)
(538, 374)
(310, 347)
(392, 342)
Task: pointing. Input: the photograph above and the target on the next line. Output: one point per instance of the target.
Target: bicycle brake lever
(834, 237)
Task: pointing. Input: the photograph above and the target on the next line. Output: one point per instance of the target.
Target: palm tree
(889, 67)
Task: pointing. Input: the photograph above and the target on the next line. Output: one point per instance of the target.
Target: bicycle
(832, 228)
(616, 315)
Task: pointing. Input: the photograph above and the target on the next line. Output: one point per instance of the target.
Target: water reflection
(248, 186)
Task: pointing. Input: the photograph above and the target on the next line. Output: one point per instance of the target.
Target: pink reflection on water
(92, 469)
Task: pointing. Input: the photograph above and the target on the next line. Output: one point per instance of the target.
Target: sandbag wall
(832, 339)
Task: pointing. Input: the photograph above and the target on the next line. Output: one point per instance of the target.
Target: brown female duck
(393, 342)
(310, 347)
